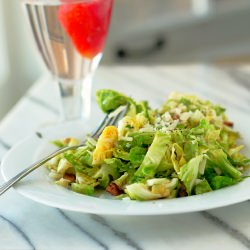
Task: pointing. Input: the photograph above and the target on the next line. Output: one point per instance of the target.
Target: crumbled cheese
(147, 128)
(157, 119)
(185, 116)
(166, 117)
(164, 129)
(182, 107)
(173, 125)
(177, 111)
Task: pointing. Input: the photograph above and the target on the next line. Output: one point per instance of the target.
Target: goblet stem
(75, 98)
(76, 94)
(86, 96)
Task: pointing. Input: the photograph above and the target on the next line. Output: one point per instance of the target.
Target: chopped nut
(175, 116)
(113, 189)
(182, 191)
(69, 177)
(228, 123)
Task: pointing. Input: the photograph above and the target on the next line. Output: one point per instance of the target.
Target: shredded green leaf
(187, 146)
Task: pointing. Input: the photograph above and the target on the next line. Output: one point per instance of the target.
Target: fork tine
(121, 114)
(110, 121)
(114, 119)
(100, 126)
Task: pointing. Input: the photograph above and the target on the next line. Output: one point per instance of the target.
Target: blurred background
(141, 32)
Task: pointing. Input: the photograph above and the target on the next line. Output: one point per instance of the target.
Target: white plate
(38, 187)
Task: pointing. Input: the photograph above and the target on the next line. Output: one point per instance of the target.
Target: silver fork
(109, 119)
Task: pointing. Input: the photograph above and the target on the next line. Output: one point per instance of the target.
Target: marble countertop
(25, 224)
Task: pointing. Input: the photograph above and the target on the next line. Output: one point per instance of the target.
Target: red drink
(86, 24)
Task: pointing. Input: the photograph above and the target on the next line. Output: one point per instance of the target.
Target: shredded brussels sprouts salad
(186, 147)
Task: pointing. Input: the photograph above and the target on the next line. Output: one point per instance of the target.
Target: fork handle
(26, 171)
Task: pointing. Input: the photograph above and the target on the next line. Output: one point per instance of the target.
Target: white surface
(25, 224)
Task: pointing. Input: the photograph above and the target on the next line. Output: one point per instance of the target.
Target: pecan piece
(182, 191)
(69, 177)
(228, 123)
(175, 116)
(113, 189)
